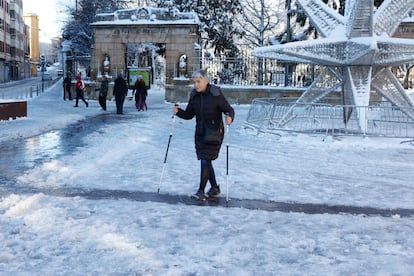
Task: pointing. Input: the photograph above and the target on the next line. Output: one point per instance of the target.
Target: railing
(245, 71)
(22, 93)
(381, 119)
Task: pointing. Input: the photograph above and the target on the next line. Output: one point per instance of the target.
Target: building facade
(128, 40)
(14, 42)
(32, 20)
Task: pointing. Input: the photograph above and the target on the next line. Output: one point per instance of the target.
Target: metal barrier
(27, 92)
(381, 119)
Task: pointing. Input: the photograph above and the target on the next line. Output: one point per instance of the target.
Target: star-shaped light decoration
(356, 50)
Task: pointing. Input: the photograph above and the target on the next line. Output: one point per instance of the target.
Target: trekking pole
(166, 153)
(227, 164)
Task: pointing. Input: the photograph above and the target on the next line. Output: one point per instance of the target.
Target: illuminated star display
(357, 49)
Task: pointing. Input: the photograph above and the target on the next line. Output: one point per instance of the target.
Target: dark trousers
(119, 100)
(102, 102)
(79, 95)
(207, 174)
(66, 91)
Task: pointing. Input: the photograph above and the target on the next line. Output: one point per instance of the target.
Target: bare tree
(218, 29)
(260, 20)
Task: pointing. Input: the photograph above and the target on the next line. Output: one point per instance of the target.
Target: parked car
(46, 76)
(60, 72)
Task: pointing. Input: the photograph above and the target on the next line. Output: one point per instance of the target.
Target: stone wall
(112, 40)
(180, 91)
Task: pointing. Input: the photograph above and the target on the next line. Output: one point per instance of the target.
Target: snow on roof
(146, 15)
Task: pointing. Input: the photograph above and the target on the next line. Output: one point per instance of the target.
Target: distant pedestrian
(67, 83)
(103, 92)
(141, 94)
(120, 91)
(80, 87)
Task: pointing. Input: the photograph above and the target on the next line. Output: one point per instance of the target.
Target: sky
(46, 231)
(50, 13)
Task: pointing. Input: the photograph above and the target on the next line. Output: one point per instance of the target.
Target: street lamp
(288, 34)
(42, 64)
(6, 70)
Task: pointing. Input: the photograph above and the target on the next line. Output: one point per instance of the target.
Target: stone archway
(131, 37)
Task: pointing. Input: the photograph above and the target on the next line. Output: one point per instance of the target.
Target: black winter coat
(140, 90)
(120, 88)
(207, 107)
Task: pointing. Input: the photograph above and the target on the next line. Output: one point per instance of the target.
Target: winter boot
(199, 195)
(214, 191)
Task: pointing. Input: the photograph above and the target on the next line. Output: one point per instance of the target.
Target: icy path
(92, 209)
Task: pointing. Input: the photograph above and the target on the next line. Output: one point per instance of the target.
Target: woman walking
(208, 104)
(141, 93)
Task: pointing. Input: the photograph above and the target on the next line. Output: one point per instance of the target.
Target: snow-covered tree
(218, 28)
(78, 30)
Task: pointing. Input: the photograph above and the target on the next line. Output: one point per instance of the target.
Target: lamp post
(288, 34)
(6, 70)
(42, 64)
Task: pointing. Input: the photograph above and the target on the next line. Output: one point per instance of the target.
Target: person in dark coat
(141, 94)
(103, 92)
(67, 83)
(120, 91)
(208, 104)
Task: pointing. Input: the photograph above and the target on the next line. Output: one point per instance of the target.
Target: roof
(146, 16)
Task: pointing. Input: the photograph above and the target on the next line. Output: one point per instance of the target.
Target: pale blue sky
(49, 13)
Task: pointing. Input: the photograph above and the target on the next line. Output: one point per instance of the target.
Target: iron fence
(22, 93)
(246, 71)
(381, 119)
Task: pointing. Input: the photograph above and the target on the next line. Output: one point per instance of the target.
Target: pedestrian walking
(141, 93)
(80, 87)
(208, 104)
(67, 83)
(103, 92)
(120, 91)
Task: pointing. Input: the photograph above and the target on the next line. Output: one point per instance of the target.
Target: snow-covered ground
(45, 234)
